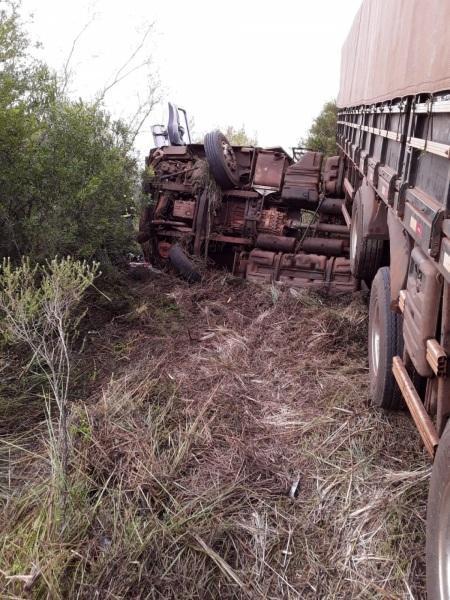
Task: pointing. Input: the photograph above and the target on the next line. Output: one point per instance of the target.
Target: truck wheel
(221, 159)
(438, 523)
(385, 342)
(183, 265)
(366, 255)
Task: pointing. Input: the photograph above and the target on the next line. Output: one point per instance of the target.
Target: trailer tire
(385, 342)
(366, 255)
(438, 523)
(183, 265)
(221, 159)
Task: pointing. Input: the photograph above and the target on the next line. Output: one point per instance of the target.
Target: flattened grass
(233, 454)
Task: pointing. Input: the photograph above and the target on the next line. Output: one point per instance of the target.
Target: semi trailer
(393, 135)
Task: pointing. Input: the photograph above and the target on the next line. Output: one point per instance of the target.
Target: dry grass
(226, 451)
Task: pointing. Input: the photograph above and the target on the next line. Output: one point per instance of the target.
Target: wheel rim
(375, 341)
(229, 156)
(353, 242)
(444, 543)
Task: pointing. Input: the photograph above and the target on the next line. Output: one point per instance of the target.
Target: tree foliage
(239, 137)
(67, 174)
(322, 135)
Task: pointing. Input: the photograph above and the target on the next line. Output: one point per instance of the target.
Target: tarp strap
(400, 119)
(429, 121)
(412, 129)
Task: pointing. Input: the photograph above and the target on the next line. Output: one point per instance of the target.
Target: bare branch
(120, 75)
(66, 72)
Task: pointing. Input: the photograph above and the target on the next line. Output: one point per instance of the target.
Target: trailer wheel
(221, 159)
(183, 265)
(385, 342)
(438, 523)
(366, 255)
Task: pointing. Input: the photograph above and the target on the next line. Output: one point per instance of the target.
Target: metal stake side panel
(402, 149)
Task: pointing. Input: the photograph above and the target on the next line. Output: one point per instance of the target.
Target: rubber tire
(183, 265)
(214, 155)
(384, 391)
(440, 483)
(366, 255)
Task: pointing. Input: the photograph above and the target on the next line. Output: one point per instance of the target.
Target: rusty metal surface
(255, 227)
(302, 180)
(423, 291)
(269, 169)
(325, 246)
(231, 216)
(332, 206)
(301, 270)
(184, 209)
(331, 174)
(420, 416)
(272, 221)
(267, 241)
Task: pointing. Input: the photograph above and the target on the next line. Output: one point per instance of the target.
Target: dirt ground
(226, 449)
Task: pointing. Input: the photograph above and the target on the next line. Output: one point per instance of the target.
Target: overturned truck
(257, 212)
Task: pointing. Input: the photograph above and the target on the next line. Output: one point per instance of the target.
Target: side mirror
(174, 128)
(173, 135)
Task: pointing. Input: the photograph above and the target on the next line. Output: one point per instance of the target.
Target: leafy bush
(67, 173)
(322, 135)
(240, 137)
(37, 306)
(86, 180)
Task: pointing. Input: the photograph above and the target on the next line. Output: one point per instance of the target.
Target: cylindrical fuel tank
(280, 243)
(325, 246)
(331, 206)
(331, 228)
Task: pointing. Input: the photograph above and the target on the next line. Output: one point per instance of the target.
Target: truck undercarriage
(256, 212)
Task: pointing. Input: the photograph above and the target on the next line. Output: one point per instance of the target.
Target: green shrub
(322, 135)
(67, 172)
(37, 309)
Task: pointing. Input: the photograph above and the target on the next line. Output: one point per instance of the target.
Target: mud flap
(400, 246)
(374, 214)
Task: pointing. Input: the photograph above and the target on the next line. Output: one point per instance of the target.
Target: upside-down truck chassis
(258, 212)
(394, 139)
